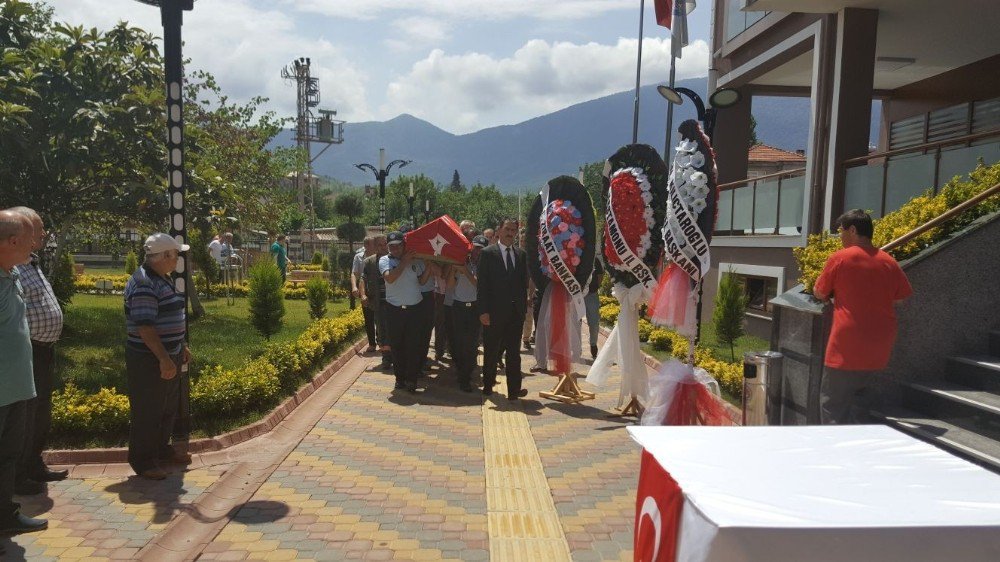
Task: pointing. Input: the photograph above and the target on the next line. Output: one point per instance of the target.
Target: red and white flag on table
(672, 14)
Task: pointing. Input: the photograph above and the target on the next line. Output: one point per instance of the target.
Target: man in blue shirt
(16, 378)
(154, 354)
(403, 276)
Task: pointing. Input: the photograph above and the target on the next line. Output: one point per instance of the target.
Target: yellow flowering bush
(225, 391)
(73, 410)
(606, 300)
(609, 313)
(87, 283)
(914, 213)
(729, 375)
(645, 328)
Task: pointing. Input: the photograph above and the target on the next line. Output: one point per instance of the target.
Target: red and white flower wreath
(630, 199)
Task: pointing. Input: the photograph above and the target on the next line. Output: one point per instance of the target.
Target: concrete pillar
(852, 88)
(731, 139)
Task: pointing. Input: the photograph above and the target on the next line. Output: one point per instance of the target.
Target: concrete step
(971, 409)
(977, 448)
(995, 343)
(975, 371)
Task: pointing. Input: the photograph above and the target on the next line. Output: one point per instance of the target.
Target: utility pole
(310, 129)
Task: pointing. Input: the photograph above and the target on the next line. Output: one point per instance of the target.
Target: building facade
(932, 69)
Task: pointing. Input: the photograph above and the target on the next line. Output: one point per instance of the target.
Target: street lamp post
(172, 17)
(380, 174)
(427, 211)
(720, 99)
(410, 199)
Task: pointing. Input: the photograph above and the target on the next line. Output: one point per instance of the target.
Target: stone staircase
(960, 412)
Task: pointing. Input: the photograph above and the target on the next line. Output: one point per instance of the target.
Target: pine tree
(730, 307)
(131, 262)
(317, 293)
(456, 183)
(267, 304)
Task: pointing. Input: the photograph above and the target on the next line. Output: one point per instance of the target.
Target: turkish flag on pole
(664, 10)
(439, 240)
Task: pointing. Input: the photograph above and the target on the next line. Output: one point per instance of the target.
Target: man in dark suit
(502, 288)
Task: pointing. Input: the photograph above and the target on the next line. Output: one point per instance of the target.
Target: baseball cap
(161, 242)
(480, 241)
(395, 237)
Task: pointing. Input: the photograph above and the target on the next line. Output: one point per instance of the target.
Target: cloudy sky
(463, 65)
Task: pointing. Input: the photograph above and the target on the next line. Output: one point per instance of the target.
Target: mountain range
(527, 154)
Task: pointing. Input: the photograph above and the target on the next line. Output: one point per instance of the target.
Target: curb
(219, 442)
(734, 413)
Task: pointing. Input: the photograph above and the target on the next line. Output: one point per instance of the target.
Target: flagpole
(668, 144)
(638, 75)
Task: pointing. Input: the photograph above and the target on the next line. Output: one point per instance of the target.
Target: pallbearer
(404, 274)
(462, 282)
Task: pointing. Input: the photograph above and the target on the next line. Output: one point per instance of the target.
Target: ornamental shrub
(267, 309)
(730, 308)
(225, 391)
(74, 411)
(317, 292)
(62, 281)
(131, 262)
(317, 258)
(914, 213)
(728, 375)
(609, 313)
(645, 329)
(326, 264)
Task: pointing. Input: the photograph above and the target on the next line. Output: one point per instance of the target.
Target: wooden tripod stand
(567, 390)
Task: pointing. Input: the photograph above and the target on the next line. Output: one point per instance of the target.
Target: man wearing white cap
(154, 352)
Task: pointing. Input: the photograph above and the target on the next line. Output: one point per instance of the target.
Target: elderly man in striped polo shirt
(154, 353)
(45, 323)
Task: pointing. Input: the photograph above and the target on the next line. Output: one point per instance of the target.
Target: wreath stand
(567, 390)
(633, 408)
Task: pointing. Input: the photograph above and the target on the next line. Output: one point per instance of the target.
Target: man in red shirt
(865, 284)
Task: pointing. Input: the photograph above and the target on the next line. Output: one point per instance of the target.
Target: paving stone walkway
(383, 475)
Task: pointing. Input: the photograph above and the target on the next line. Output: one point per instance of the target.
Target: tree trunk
(197, 310)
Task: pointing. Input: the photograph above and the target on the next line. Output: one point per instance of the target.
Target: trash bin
(762, 388)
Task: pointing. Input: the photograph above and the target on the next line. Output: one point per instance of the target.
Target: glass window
(759, 291)
(738, 21)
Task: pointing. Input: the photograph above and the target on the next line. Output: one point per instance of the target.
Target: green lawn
(91, 352)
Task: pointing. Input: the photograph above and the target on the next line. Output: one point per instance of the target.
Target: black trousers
(152, 409)
(465, 341)
(442, 326)
(38, 411)
(426, 312)
(369, 324)
(504, 335)
(11, 445)
(381, 326)
(405, 337)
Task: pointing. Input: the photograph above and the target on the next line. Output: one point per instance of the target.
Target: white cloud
(245, 46)
(417, 31)
(463, 9)
(466, 92)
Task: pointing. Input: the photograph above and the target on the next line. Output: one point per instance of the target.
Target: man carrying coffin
(462, 282)
(501, 300)
(403, 276)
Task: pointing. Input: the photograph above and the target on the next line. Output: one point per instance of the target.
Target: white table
(830, 493)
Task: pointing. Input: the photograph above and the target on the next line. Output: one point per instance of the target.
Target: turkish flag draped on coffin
(439, 240)
(658, 506)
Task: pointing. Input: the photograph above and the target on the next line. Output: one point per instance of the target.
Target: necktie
(510, 261)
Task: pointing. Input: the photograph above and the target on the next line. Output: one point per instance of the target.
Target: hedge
(218, 391)
(86, 283)
(914, 213)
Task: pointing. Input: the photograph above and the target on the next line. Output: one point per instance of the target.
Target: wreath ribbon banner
(684, 242)
(569, 281)
(624, 253)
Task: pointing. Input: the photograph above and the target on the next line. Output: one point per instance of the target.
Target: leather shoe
(520, 394)
(177, 458)
(411, 387)
(47, 475)
(487, 390)
(593, 352)
(153, 474)
(21, 523)
(28, 487)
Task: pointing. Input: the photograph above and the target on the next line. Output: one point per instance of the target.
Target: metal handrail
(922, 147)
(942, 218)
(737, 183)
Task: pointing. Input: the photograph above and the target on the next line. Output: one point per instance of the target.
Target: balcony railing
(882, 182)
(764, 205)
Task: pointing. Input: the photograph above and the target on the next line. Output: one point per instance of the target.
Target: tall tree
(81, 119)
(730, 308)
(754, 141)
(456, 184)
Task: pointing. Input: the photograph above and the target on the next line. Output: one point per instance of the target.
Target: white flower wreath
(691, 183)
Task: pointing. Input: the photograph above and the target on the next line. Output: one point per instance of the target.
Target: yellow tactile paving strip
(522, 520)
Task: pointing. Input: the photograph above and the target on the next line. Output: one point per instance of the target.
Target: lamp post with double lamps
(172, 17)
(720, 99)
(380, 174)
(410, 199)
